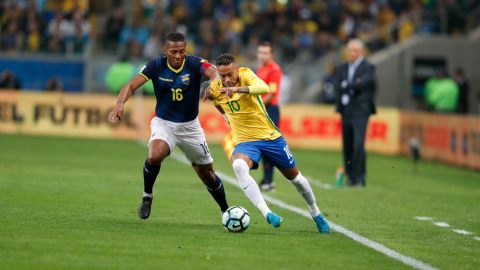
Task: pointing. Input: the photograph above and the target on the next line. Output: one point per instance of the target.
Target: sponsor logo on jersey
(273, 133)
(164, 79)
(203, 61)
(219, 99)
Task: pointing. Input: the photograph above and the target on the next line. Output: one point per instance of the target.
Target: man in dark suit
(355, 85)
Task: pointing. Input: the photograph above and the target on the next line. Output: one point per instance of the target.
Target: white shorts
(189, 137)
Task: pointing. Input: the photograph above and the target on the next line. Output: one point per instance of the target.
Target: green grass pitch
(72, 204)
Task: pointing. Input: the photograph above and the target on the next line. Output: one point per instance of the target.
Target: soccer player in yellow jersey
(237, 95)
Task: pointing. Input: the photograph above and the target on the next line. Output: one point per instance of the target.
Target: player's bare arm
(256, 89)
(124, 95)
(212, 74)
(220, 109)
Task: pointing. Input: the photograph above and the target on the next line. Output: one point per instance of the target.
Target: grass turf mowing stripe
(360, 239)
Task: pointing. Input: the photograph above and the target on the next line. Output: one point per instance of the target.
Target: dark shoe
(267, 187)
(349, 182)
(263, 182)
(359, 184)
(145, 206)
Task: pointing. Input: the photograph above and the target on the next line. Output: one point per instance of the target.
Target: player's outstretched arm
(212, 74)
(124, 95)
(258, 88)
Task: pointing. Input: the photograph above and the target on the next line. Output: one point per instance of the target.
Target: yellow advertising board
(453, 139)
(75, 115)
(85, 115)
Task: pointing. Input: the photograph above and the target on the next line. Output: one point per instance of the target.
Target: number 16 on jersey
(177, 94)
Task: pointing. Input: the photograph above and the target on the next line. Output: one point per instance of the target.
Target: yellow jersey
(246, 113)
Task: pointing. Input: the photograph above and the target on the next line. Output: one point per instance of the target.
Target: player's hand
(208, 94)
(228, 92)
(116, 112)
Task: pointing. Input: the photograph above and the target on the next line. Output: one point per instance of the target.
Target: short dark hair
(176, 37)
(225, 59)
(266, 44)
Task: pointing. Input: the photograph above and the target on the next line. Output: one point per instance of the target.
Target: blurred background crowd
(312, 27)
(300, 30)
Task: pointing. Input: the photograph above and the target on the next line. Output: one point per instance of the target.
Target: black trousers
(354, 157)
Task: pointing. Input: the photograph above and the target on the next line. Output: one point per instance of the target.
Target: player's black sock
(218, 193)
(268, 173)
(150, 173)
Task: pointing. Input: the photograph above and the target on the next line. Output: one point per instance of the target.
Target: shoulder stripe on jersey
(144, 76)
(263, 109)
(176, 70)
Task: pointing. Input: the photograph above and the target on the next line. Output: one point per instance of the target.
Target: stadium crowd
(52, 26)
(312, 27)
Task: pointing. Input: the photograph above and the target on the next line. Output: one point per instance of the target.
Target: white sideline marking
(318, 183)
(423, 218)
(362, 240)
(461, 231)
(444, 224)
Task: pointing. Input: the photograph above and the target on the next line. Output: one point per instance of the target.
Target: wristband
(258, 89)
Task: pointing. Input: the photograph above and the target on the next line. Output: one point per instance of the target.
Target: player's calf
(252, 191)
(303, 187)
(213, 183)
(157, 151)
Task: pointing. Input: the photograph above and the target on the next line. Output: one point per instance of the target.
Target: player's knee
(239, 166)
(155, 158)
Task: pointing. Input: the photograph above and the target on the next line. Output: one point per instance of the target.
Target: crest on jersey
(185, 79)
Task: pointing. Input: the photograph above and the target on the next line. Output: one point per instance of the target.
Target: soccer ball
(236, 219)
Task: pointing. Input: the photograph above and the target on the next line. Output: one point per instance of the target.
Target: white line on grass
(461, 231)
(423, 218)
(476, 238)
(444, 224)
(362, 240)
(318, 183)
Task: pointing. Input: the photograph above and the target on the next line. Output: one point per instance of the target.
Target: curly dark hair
(225, 59)
(176, 37)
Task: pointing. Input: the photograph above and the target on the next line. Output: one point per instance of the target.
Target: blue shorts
(276, 151)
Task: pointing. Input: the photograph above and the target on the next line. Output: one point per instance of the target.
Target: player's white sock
(303, 187)
(147, 194)
(250, 187)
